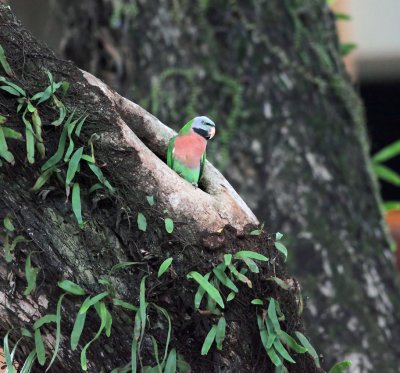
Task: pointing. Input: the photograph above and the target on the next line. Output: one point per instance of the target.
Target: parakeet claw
(195, 185)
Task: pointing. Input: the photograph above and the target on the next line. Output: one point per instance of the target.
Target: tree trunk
(291, 139)
(120, 225)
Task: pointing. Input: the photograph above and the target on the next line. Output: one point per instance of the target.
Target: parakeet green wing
(202, 164)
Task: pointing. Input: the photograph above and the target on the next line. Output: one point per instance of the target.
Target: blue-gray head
(204, 126)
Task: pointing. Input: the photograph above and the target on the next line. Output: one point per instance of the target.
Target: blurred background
(374, 31)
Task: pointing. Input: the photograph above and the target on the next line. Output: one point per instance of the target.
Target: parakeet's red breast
(187, 151)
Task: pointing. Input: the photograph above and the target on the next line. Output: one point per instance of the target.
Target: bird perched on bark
(187, 151)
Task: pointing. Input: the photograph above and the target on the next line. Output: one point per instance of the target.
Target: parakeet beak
(211, 133)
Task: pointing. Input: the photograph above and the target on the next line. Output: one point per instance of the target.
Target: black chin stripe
(202, 132)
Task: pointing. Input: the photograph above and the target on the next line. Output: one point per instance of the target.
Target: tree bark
(292, 140)
(130, 146)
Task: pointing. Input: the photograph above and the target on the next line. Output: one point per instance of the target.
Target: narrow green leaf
(26, 333)
(96, 170)
(164, 266)
(272, 315)
(102, 310)
(270, 332)
(62, 111)
(57, 156)
(347, 48)
(27, 367)
(95, 187)
(388, 152)
(340, 367)
(10, 90)
(220, 335)
(251, 255)
(150, 200)
(89, 302)
(263, 333)
(278, 236)
(15, 86)
(257, 302)
(80, 125)
(227, 259)
(46, 319)
(4, 152)
(310, 349)
(8, 225)
(47, 93)
(122, 265)
(274, 357)
(37, 125)
(12, 134)
(141, 222)
(30, 107)
(16, 241)
(76, 203)
(7, 355)
(169, 225)
(391, 205)
(282, 249)
(58, 331)
(200, 293)
(142, 304)
(240, 276)
(29, 138)
(282, 351)
(166, 315)
(71, 146)
(30, 274)
(157, 368)
(4, 63)
(291, 343)
(279, 282)
(108, 323)
(77, 330)
(105, 282)
(209, 340)
(224, 279)
(73, 165)
(342, 16)
(126, 305)
(386, 174)
(230, 296)
(210, 289)
(170, 365)
(211, 305)
(137, 326)
(7, 250)
(43, 178)
(70, 287)
(252, 265)
(41, 353)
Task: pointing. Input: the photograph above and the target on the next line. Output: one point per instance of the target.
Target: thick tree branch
(210, 210)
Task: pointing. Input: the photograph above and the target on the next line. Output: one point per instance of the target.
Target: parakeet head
(204, 126)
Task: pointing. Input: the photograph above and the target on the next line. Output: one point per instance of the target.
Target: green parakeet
(187, 151)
